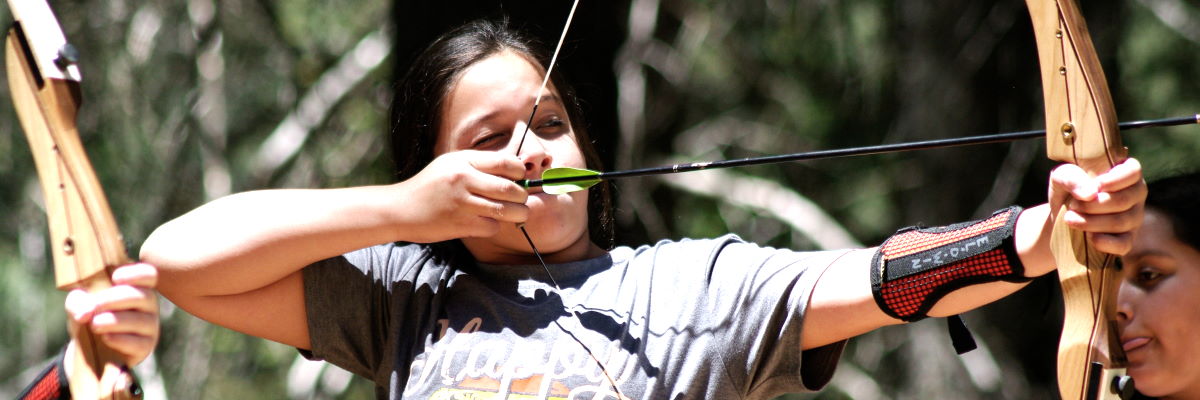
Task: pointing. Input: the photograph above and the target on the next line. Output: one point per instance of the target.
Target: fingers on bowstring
(502, 165)
(499, 199)
(500, 189)
(500, 210)
(497, 181)
(485, 215)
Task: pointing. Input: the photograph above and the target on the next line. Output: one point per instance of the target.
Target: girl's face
(1158, 309)
(486, 110)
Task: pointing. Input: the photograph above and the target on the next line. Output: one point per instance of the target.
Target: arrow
(562, 180)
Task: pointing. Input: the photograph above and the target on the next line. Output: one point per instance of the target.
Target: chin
(557, 223)
(549, 240)
(1144, 379)
(552, 240)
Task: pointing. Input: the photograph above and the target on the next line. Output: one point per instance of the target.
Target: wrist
(1032, 239)
(392, 205)
(68, 358)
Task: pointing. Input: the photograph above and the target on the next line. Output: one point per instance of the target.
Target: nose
(533, 153)
(1127, 296)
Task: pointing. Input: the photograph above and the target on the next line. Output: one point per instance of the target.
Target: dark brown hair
(1176, 198)
(423, 90)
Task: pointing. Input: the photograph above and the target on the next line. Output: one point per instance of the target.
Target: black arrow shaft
(847, 152)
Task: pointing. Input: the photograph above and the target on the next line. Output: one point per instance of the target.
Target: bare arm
(236, 261)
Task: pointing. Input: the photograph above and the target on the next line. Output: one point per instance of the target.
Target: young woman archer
(427, 287)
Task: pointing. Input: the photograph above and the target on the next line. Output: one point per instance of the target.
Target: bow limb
(1081, 129)
(85, 242)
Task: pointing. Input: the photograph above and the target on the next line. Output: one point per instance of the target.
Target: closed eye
(489, 140)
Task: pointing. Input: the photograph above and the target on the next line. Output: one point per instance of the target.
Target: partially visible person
(124, 316)
(1158, 307)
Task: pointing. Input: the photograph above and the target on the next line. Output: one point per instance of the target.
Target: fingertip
(1125, 174)
(1073, 180)
(79, 305)
(1074, 220)
(137, 274)
(504, 165)
(520, 195)
(1132, 164)
(103, 319)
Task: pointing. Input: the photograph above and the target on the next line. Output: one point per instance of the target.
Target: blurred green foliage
(181, 96)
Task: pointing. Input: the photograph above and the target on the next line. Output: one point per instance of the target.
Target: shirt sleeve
(767, 292)
(351, 304)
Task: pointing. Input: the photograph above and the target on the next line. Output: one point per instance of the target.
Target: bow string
(537, 98)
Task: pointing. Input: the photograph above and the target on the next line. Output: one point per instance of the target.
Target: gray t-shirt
(715, 319)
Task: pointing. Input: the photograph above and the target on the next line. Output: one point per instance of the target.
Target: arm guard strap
(918, 266)
(51, 383)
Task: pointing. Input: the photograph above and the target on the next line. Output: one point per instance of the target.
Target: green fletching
(568, 187)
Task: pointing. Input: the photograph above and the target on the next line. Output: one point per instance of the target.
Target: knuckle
(498, 211)
(456, 178)
(507, 189)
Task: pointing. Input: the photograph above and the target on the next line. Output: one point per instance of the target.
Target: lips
(1134, 343)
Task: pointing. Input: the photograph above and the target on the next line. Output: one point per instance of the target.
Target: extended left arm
(1108, 207)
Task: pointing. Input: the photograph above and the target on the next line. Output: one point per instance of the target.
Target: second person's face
(1158, 309)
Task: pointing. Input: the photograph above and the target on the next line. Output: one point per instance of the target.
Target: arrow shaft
(834, 153)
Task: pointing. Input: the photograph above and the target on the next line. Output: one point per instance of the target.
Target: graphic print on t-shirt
(465, 363)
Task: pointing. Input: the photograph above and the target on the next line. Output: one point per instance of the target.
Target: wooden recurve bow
(44, 80)
(1081, 128)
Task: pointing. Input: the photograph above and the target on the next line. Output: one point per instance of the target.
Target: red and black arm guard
(51, 383)
(918, 266)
